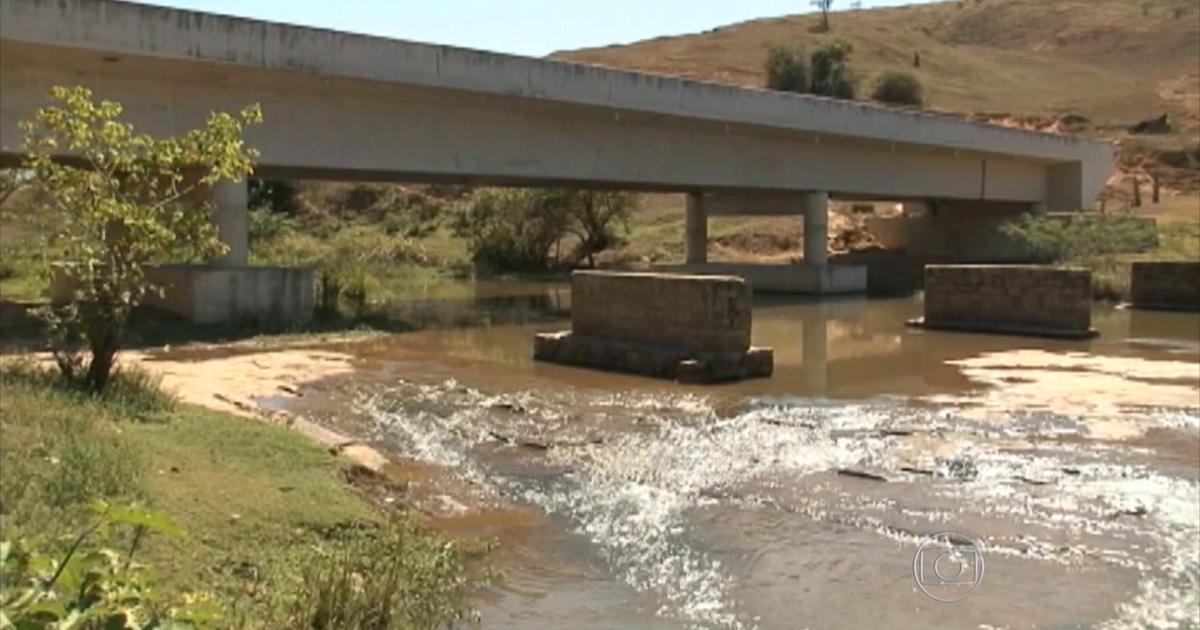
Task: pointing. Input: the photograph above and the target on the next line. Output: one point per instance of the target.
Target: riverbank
(269, 516)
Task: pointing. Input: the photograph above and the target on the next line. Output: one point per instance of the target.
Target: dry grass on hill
(1038, 64)
(1100, 58)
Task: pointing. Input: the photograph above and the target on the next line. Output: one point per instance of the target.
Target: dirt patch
(239, 383)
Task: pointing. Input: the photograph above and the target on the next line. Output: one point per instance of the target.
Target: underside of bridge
(812, 275)
(348, 107)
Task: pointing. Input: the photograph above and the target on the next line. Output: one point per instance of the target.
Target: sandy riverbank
(236, 383)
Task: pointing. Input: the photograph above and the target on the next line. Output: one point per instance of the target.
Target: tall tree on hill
(823, 6)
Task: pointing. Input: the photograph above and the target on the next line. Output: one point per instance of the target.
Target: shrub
(267, 224)
(89, 586)
(1092, 242)
(826, 72)
(515, 230)
(394, 578)
(787, 70)
(599, 220)
(898, 88)
(347, 261)
(830, 68)
(512, 229)
(1056, 239)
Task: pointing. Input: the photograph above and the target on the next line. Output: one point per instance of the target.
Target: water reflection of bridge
(861, 347)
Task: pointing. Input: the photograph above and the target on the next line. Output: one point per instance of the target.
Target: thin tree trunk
(104, 342)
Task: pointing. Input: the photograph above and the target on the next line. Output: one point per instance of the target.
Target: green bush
(524, 230)
(1180, 241)
(267, 224)
(512, 230)
(826, 72)
(599, 220)
(898, 88)
(1094, 243)
(348, 260)
(396, 577)
(830, 68)
(89, 586)
(1073, 239)
(787, 70)
(22, 273)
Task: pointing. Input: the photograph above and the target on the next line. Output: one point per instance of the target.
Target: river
(799, 501)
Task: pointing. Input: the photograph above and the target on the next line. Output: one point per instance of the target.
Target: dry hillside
(1112, 61)
(1095, 67)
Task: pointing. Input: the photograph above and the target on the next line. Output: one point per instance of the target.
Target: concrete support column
(816, 228)
(231, 214)
(696, 243)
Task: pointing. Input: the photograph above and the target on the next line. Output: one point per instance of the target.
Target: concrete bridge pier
(815, 207)
(227, 289)
(696, 230)
(231, 215)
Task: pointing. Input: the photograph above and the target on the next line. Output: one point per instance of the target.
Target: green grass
(22, 277)
(261, 506)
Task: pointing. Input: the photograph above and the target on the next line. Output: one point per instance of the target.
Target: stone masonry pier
(1172, 286)
(686, 327)
(1012, 299)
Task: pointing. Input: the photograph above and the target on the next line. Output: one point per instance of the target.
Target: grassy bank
(274, 533)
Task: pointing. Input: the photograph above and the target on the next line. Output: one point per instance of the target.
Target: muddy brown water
(800, 501)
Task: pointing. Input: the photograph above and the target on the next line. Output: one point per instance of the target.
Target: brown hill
(1115, 62)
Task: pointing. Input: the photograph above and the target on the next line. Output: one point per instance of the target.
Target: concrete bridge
(345, 106)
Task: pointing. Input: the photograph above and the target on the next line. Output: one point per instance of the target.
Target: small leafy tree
(513, 229)
(830, 68)
(118, 201)
(518, 230)
(598, 218)
(898, 88)
(787, 70)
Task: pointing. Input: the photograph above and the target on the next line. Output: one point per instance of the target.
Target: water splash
(632, 495)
